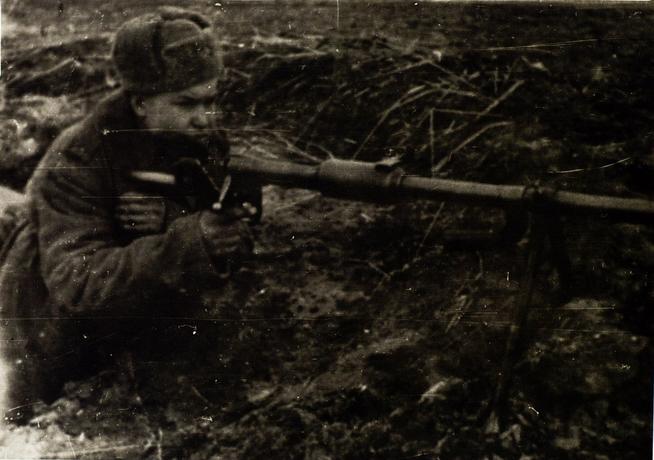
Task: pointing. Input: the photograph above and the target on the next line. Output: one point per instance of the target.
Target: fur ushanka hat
(167, 51)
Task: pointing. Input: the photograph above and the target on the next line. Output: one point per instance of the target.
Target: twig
(290, 146)
(446, 93)
(496, 77)
(259, 149)
(463, 112)
(11, 6)
(441, 164)
(98, 450)
(410, 130)
(472, 288)
(242, 74)
(322, 149)
(499, 124)
(454, 76)
(500, 99)
(72, 448)
(463, 93)
(295, 203)
(197, 393)
(458, 316)
(515, 62)
(450, 129)
(432, 151)
(416, 258)
(386, 82)
(361, 93)
(314, 117)
(372, 266)
(292, 82)
(401, 102)
(480, 274)
(407, 67)
(429, 229)
(84, 93)
(388, 277)
(159, 445)
(542, 45)
(609, 165)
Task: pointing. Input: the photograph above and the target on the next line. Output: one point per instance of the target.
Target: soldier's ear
(138, 105)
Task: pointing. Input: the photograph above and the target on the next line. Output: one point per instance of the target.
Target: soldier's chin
(194, 144)
(181, 133)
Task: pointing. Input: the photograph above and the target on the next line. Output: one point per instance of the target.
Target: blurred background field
(369, 331)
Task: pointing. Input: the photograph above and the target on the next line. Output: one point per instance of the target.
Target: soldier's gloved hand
(227, 238)
(141, 214)
(245, 212)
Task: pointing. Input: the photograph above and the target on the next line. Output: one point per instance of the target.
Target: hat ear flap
(170, 13)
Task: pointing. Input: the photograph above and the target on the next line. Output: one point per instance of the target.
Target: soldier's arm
(85, 267)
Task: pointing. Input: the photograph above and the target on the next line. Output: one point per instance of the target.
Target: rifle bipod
(544, 227)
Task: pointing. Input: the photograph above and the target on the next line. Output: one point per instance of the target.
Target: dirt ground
(376, 331)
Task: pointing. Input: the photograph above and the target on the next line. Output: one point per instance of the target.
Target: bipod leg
(536, 245)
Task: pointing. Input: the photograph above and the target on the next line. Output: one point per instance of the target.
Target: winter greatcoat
(71, 274)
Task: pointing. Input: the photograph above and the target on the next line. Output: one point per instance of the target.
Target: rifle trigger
(224, 188)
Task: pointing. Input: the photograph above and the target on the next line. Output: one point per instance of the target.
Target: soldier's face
(190, 110)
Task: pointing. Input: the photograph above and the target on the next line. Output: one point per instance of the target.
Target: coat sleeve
(85, 267)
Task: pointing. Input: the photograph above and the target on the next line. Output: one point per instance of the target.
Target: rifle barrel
(377, 182)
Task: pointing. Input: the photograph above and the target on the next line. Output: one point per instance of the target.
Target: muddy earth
(377, 331)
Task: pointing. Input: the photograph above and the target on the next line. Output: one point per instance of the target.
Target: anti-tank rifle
(385, 182)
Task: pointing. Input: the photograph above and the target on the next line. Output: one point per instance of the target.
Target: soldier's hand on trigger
(140, 214)
(227, 233)
(245, 212)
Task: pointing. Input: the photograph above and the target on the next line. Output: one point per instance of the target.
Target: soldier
(94, 255)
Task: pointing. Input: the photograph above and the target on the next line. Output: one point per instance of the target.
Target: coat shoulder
(85, 139)
(86, 143)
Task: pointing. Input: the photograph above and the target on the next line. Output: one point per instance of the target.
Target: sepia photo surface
(326, 229)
